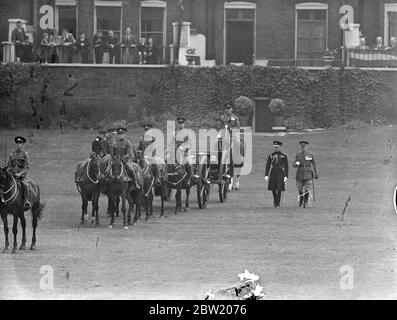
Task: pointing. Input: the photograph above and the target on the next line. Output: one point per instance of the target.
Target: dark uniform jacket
(18, 35)
(83, 46)
(107, 146)
(277, 165)
(19, 162)
(231, 120)
(97, 146)
(307, 166)
(124, 149)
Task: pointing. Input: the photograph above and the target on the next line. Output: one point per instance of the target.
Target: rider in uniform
(145, 143)
(18, 166)
(97, 146)
(277, 166)
(229, 118)
(123, 148)
(307, 170)
(183, 148)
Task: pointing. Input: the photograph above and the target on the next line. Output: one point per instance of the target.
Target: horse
(155, 180)
(12, 202)
(105, 167)
(177, 178)
(87, 179)
(120, 185)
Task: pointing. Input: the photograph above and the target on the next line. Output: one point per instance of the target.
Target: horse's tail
(40, 209)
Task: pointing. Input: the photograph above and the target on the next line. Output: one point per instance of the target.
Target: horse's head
(116, 167)
(95, 165)
(3, 180)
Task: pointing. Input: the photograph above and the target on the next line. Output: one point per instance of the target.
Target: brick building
(235, 31)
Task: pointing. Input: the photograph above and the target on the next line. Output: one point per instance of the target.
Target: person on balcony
(98, 45)
(379, 44)
(128, 45)
(393, 45)
(362, 45)
(44, 49)
(113, 46)
(18, 37)
(153, 52)
(67, 42)
(142, 52)
(83, 48)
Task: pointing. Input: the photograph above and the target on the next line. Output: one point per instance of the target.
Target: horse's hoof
(163, 216)
(111, 227)
(14, 251)
(187, 209)
(22, 247)
(32, 247)
(125, 227)
(82, 223)
(5, 250)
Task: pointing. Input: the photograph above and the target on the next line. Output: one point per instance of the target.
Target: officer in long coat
(145, 143)
(276, 172)
(307, 170)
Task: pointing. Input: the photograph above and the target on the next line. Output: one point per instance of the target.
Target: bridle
(88, 173)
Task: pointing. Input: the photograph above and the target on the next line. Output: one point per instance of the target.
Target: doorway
(264, 120)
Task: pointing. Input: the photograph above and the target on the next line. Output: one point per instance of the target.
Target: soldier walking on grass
(307, 170)
(277, 166)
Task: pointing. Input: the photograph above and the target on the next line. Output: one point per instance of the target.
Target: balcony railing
(371, 58)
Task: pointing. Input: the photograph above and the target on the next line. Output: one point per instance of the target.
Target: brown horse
(120, 185)
(178, 179)
(155, 181)
(87, 178)
(12, 203)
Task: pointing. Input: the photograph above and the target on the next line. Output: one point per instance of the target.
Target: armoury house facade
(235, 31)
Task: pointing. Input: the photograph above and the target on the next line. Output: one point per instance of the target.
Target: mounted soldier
(147, 144)
(123, 148)
(229, 118)
(18, 166)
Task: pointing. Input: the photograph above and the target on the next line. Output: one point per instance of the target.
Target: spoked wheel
(203, 187)
(224, 184)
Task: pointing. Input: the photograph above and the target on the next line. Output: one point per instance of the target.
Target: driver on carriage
(18, 166)
(229, 118)
(183, 147)
(123, 148)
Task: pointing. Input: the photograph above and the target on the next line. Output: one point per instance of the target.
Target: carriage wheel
(203, 187)
(224, 184)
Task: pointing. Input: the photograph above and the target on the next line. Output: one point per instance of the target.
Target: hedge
(320, 98)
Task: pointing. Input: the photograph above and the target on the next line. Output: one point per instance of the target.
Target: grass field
(298, 253)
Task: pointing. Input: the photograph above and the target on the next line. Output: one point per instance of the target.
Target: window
(66, 16)
(311, 33)
(390, 22)
(153, 19)
(108, 17)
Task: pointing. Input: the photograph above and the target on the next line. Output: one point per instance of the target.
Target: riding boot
(156, 174)
(300, 199)
(189, 172)
(134, 178)
(25, 191)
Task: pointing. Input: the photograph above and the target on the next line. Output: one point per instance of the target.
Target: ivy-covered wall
(93, 96)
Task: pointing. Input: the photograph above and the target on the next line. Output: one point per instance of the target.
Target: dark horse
(87, 178)
(154, 181)
(12, 202)
(178, 179)
(120, 185)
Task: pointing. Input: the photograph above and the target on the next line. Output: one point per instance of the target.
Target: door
(240, 36)
(392, 25)
(264, 118)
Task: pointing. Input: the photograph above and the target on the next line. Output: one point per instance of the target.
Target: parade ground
(297, 253)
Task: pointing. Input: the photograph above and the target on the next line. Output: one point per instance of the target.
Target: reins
(14, 195)
(88, 174)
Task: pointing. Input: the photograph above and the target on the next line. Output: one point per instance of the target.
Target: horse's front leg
(15, 232)
(187, 199)
(178, 200)
(6, 230)
(113, 201)
(123, 207)
(95, 207)
(23, 224)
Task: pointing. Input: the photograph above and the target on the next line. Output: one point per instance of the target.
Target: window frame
(155, 4)
(237, 5)
(65, 3)
(389, 7)
(103, 3)
(310, 6)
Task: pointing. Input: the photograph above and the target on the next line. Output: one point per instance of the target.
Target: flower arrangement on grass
(248, 289)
